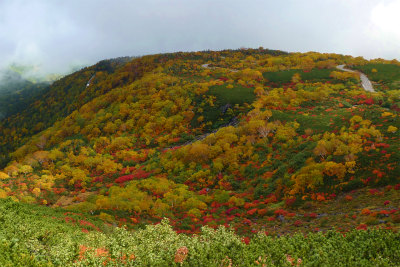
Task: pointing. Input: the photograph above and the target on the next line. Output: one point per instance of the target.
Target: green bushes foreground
(40, 236)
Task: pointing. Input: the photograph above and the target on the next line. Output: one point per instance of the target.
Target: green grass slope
(387, 74)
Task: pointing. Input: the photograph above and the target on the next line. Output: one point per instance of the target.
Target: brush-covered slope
(250, 138)
(34, 236)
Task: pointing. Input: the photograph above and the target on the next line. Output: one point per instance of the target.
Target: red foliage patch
(138, 174)
(348, 198)
(374, 192)
(298, 223)
(362, 226)
(290, 201)
(246, 240)
(280, 212)
(125, 178)
(290, 214)
(252, 211)
(369, 101)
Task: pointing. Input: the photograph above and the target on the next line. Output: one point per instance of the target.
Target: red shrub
(290, 214)
(228, 211)
(262, 212)
(125, 178)
(280, 212)
(374, 191)
(384, 212)
(138, 174)
(246, 221)
(332, 196)
(252, 211)
(348, 198)
(298, 223)
(365, 211)
(203, 191)
(246, 240)
(369, 101)
(362, 226)
(290, 201)
(248, 205)
(271, 199)
(141, 174)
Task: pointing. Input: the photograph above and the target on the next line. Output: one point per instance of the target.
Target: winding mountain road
(365, 82)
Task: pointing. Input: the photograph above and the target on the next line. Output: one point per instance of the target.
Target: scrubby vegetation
(38, 236)
(255, 140)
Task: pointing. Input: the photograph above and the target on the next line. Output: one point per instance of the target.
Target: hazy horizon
(54, 36)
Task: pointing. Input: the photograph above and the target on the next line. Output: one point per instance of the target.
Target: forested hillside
(40, 105)
(17, 92)
(253, 139)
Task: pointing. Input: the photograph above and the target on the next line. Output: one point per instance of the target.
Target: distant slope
(58, 100)
(284, 132)
(16, 93)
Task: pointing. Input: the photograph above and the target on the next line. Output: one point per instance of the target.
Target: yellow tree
(198, 152)
(335, 169)
(296, 78)
(308, 177)
(4, 176)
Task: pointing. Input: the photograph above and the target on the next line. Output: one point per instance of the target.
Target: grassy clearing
(388, 74)
(236, 95)
(229, 103)
(318, 120)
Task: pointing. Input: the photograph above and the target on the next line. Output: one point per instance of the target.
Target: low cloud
(54, 36)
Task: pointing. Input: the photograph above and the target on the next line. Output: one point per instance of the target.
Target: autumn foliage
(204, 138)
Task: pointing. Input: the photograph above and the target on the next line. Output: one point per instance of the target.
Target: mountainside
(17, 92)
(54, 102)
(255, 139)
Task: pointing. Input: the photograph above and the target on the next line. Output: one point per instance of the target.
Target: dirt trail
(365, 82)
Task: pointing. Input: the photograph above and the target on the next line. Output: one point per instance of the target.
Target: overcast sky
(58, 34)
